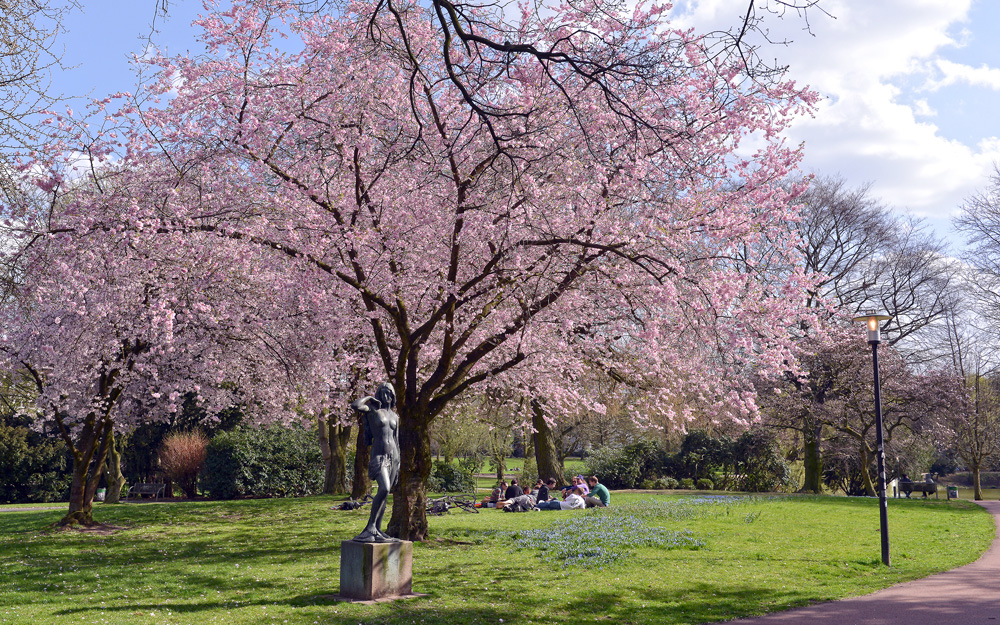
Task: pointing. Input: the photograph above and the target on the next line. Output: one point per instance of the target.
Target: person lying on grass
(573, 501)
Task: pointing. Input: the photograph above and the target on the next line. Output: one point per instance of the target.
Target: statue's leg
(383, 491)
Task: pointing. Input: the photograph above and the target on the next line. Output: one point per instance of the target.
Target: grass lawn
(277, 561)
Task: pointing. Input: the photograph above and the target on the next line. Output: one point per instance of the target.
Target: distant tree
(971, 427)
(837, 393)
(979, 222)
(865, 256)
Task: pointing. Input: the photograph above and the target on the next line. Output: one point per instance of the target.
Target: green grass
(277, 561)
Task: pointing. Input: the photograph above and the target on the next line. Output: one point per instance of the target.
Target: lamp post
(874, 338)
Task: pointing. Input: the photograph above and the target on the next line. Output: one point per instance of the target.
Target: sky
(910, 88)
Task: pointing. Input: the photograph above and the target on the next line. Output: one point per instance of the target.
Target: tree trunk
(866, 476)
(88, 464)
(333, 439)
(409, 497)
(812, 460)
(546, 455)
(361, 485)
(113, 478)
(977, 487)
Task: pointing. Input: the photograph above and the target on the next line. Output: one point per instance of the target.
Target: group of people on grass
(582, 493)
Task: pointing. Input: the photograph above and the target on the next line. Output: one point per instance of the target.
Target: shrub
(276, 461)
(627, 467)
(705, 484)
(182, 456)
(759, 463)
(448, 478)
(666, 483)
(704, 456)
(33, 468)
(647, 485)
(687, 483)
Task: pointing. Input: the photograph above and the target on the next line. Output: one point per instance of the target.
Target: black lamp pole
(883, 511)
(873, 319)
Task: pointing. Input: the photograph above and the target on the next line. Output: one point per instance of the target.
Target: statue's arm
(361, 405)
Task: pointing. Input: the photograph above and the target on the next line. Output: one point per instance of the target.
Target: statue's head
(386, 395)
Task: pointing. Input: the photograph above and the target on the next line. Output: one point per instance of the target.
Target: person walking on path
(968, 595)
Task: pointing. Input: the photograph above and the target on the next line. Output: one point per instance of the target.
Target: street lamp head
(873, 319)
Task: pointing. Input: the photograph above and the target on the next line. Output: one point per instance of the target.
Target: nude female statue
(381, 425)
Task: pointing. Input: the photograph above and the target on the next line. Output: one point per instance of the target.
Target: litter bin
(99, 495)
(953, 492)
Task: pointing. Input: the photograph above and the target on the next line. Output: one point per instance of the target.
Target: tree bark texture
(866, 475)
(333, 440)
(361, 485)
(812, 460)
(546, 453)
(88, 464)
(113, 478)
(409, 497)
(977, 487)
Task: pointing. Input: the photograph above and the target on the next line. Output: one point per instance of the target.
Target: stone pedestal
(376, 570)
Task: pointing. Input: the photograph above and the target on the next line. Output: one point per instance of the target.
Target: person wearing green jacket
(599, 496)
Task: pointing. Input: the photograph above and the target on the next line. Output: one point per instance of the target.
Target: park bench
(918, 487)
(140, 490)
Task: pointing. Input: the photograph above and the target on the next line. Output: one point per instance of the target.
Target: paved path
(969, 595)
(29, 509)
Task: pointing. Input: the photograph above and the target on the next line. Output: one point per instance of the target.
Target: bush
(666, 483)
(33, 468)
(687, 483)
(759, 464)
(703, 456)
(627, 467)
(182, 456)
(276, 461)
(705, 484)
(448, 478)
(647, 485)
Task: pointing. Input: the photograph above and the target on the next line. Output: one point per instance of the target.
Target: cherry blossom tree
(454, 212)
(110, 325)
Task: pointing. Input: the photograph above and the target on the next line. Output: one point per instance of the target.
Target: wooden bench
(140, 490)
(926, 488)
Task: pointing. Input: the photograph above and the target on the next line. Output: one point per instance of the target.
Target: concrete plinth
(376, 570)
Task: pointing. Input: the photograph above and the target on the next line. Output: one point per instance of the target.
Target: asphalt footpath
(969, 595)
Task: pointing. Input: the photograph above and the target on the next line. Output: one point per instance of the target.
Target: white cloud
(954, 73)
(922, 109)
(872, 126)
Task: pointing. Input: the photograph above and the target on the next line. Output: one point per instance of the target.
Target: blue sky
(911, 87)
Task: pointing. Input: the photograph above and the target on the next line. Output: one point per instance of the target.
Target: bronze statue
(381, 432)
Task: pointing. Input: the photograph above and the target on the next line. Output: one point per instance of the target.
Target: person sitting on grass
(495, 495)
(514, 490)
(576, 482)
(542, 489)
(599, 496)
